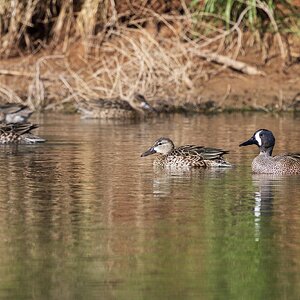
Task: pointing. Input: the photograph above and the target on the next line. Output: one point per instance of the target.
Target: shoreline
(177, 56)
(52, 81)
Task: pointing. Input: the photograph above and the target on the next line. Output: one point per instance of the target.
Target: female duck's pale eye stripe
(257, 137)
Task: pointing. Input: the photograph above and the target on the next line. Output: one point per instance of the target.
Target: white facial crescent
(257, 137)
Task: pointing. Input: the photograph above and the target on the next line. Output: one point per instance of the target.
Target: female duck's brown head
(162, 145)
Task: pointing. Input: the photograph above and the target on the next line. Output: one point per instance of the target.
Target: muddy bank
(227, 90)
(278, 90)
(52, 81)
(178, 56)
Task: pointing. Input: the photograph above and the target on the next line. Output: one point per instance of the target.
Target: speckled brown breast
(18, 134)
(284, 164)
(9, 138)
(190, 156)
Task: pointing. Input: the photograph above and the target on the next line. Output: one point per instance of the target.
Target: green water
(85, 217)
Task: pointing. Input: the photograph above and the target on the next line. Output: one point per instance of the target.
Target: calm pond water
(85, 217)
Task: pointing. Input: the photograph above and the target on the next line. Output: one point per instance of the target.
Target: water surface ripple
(83, 216)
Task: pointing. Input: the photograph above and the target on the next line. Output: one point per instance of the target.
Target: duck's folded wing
(205, 153)
(18, 128)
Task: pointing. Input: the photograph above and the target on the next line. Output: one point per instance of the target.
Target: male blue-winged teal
(265, 163)
(14, 113)
(19, 134)
(116, 108)
(190, 156)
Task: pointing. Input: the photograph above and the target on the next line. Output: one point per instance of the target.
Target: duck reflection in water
(264, 197)
(172, 181)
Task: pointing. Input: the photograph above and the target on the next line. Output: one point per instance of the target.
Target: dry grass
(159, 55)
(131, 60)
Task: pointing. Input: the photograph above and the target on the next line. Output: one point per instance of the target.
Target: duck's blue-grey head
(162, 145)
(264, 139)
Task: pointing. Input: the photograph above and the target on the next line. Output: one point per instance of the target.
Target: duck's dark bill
(247, 143)
(149, 152)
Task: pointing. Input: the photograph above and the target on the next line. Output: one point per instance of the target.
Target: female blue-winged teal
(14, 113)
(19, 134)
(116, 108)
(265, 163)
(190, 156)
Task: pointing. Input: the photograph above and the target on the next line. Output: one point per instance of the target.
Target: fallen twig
(231, 63)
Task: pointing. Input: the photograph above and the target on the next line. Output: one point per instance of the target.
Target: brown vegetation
(55, 54)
